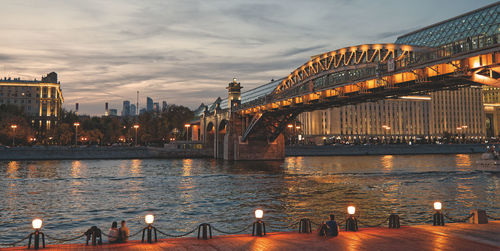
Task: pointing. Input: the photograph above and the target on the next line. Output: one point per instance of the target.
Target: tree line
(154, 128)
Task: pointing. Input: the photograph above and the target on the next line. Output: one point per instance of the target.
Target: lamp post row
(259, 226)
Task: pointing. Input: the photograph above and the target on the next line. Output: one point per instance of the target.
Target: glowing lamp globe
(437, 205)
(37, 224)
(259, 213)
(351, 210)
(149, 219)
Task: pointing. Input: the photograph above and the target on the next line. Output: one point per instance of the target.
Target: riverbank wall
(67, 153)
(63, 153)
(400, 149)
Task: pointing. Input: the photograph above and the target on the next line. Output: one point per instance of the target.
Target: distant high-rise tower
(76, 108)
(133, 110)
(106, 109)
(164, 106)
(126, 108)
(149, 104)
(156, 107)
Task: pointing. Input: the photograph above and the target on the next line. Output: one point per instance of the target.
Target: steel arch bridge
(368, 73)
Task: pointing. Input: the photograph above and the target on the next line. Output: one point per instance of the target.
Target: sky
(186, 52)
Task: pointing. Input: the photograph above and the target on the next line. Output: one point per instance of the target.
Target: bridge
(455, 53)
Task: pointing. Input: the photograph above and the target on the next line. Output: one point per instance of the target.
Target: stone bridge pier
(222, 130)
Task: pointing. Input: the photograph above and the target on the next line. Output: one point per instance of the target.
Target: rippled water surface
(71, 196)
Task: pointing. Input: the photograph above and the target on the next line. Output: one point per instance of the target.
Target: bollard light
(438, 217)
(37, 224)
(149, 219)
(259, 226)
(351, 210)
(351, 223)
(437, 205)
(259, 214)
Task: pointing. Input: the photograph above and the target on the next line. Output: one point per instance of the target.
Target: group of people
(118, 235)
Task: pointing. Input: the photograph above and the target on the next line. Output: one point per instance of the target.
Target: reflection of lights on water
(12, 168)
(387, 162)
(463, 160)
(136, 166)
(187, 165)
(75, 168)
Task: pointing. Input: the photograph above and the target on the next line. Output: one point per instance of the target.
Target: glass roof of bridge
(483, 21)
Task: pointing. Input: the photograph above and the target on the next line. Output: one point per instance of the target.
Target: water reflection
(388, 162)
(12, 168)
(185, 192)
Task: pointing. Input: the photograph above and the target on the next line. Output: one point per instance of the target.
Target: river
(70, 196)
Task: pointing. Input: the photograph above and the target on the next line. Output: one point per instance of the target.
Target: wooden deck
(454, 236)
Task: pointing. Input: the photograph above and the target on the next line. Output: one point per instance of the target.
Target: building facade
(41, 100)
(149, 104)
(126, 108)
(456, 113)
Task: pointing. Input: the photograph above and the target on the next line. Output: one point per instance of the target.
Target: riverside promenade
(453, 236)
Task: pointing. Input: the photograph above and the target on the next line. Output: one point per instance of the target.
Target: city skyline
(187, 52)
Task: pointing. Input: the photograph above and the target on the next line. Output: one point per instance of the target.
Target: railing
(303, 226)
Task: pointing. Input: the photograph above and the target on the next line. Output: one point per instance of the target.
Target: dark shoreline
(399, 149)
(75, 153)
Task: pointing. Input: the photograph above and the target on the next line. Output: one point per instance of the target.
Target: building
(126, 108)
(447, 113)
(156, 107)
(149, 104)
(164, 106)
(491, 100)
(41, 100)
(133, 110)
(457, 113)
(113, 112)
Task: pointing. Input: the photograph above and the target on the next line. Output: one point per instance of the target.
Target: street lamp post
(136, 126)
(290, 126)
(297, 129)
(187, 131)
(386, 129)
(14, 127)
(76, 124)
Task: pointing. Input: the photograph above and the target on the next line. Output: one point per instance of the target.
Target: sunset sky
(185, 52)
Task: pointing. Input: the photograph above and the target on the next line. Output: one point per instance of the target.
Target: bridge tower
(255, 147)
(234, 94)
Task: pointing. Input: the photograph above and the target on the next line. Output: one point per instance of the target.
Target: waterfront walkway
(453, 236)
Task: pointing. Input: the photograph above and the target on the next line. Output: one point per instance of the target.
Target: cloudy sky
(185, 52)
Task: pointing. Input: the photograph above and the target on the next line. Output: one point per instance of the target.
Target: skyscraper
(164, 106)
(156, 107)
(126, 108)
(133, 110)
(149, 104)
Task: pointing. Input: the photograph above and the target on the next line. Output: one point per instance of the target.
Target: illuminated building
(491, 99)
(41, 100)
(410, 118)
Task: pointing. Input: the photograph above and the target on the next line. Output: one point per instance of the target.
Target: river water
(70, 196)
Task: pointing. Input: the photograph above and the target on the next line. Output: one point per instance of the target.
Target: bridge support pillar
(255, 147)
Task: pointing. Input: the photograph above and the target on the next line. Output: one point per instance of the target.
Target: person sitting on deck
(124, 232)
(330, 228)
(113, 234)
